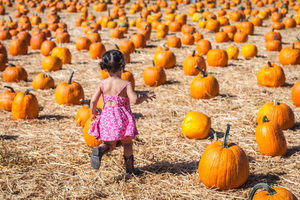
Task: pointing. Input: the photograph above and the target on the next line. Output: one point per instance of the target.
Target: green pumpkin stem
(10, 65)
(117, 46)
(225, 143)
(11, 89)
(70, 79)
(28, 90)
(276, 103)
(269, 64)
(153, 63)
(265, 186)
(85, 102)
(201, 71)
(193, 53)
(265, 119)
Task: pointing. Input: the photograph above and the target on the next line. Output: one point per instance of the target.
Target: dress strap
(102, 87)
(123, 88)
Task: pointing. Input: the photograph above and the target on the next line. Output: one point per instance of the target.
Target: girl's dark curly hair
(112, 61)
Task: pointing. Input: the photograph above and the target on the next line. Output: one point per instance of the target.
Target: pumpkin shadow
(178, 66)
(173, 168)
(52, 117)
(286, 43)
(150, 46)
(171, 82)
(296, 126)
(33, 53)
(135, 62)
(291, 151)
(288, 85)
(261, 56)
(8, 137)
(268, 178)
(142, 91)
(257, 34)
(138, 115)
(227, 95)
(232, 65)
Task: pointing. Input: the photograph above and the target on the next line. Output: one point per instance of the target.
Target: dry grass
(47, 158)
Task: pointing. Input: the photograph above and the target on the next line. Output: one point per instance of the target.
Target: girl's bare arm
(134, 98)
(94, 101)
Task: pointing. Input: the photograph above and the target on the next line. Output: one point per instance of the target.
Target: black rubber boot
(129, 165)
(97, 154)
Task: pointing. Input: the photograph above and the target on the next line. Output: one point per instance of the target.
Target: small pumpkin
(43, 82)
(270, 193)
(191, 62)
(203, 46)
(204, 86)
(63, 53)
(97, 49)
(217, 58)
(18, 47)
(36, 40)
(46, 47)
(188, 39)
(174, 42)
(83, 114)
(51, 63)
(249, 51)
(82, 43)
(289, 56)
(89, 139)
(278, 112)
(212, 172)
(165, 58)
(13, 73)
(154, 76)
(270, 139)
(271, 75)
(232, 52)
(240, 37)
(25, 106)
(127, 46)
(7, 98)
(221, 37)
(296, 94)
(69, 92)
(196, 125)
(139, 40)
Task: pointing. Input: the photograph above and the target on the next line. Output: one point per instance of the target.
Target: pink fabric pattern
(115, 122)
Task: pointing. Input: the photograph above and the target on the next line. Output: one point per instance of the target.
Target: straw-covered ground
(47, 158)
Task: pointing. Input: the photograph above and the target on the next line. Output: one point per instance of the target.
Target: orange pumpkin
(296, 94)
(42, 82)
(191, 62)
(271, 75)
(203, 46)
(196, 125)
(289, 56)
(217, 58)
(89, 139)
(165, 58)
(7, 98)
(154, 76)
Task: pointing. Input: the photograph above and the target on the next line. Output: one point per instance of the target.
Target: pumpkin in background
(139, 40)
(270, 139)
(25, 106)
(82, 43)
(203, 46)
(46, 47)
(296, 94)
(89, 140)
(36, 40)
(43, 82)
(273, 45)
(217, 58)
(196, 125)
(271, 75)
(211, 168)
(240, 37)
(164, 58)
(97, 49)
(128, 76)
(232, 52)
(7, 98)
(3, 61)
(270, 193)
(154, 76)
(18, 47)
(289, 56)
(127, 46)
(69, 92)
(191, 62)
(13, 73)
(63, 53)
(51, 63)
(204, 86)
(83, 114)
(249, 51)
(174, 42)
(278, 112)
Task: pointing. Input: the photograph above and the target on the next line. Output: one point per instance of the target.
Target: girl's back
(114, 87)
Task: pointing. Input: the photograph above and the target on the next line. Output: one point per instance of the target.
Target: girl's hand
(94, 116)
(149, 98)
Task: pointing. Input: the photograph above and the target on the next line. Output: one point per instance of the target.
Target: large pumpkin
(69, 92)
(89, 140)
(63, 53)
(223, 165)
(7, 98)
(271, 193)
(25, 106)
(278, 112)
(270, 139)
(165, 58)
(271, 75)
(191, 62)
(196, 125)
(296, 94)
(204, 86)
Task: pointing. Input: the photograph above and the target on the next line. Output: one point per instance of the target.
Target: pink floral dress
(115, 122)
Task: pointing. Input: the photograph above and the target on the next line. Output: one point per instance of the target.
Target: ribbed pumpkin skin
(69, 94)
(196, 125)
(270, 139)
(282, 194)
(282, 114)
(191, 62)
(89, 140)
(223, 168)
(204, 87)
(296, 94)
(6, 99)
(271, 76)
(25, 106)
(154, 76)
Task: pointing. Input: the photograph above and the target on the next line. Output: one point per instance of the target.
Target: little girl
(116, 121)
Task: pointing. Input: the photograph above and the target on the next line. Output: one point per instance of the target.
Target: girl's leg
(127, 145)
(99, 151)
(128, 157)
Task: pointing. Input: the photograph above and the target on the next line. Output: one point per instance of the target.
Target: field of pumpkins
(225, 123)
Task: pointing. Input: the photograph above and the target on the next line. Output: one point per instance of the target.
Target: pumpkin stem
(293, 46)
(117, 46)
(201, 71)
(11, 89)
(269, 64)
(276, 103)
(225, 143)
(46, 75)
(10, 65)
(70, 79)
(265, 186)
(265, 119)
(153, 63)
(193, 53)
(10, 19)
(85, 101)
(298, 38)
(28, 90)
